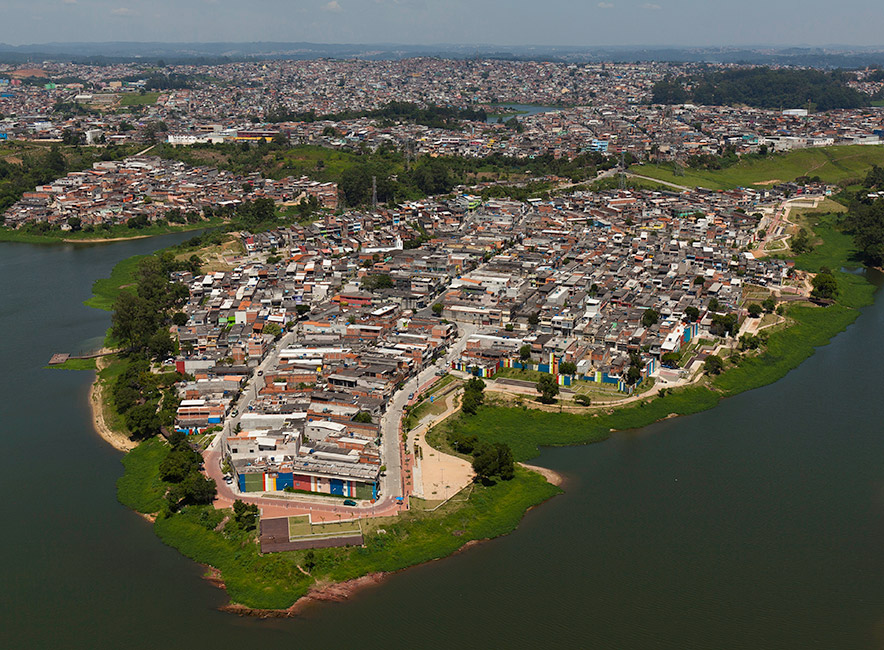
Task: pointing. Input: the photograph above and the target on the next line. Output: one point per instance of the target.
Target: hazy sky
(544, 22)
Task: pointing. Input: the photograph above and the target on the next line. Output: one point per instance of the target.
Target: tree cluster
(493, 460)
(825, 286)
(761, 87)
(377, 281)
(181, 468)
(865, 221)
(142, 317)
(137, 394)
(473, 395)
(724, 324)
(245, 515)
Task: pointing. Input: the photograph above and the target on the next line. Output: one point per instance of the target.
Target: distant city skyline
(680, 23)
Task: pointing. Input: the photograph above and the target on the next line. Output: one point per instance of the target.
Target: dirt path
(441, 475)
(96, 403)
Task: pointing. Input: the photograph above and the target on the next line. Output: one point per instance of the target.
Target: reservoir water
(759, 524)
(521, 110)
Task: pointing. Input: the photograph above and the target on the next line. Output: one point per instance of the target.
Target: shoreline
(332, 592)
(337, 592)
(108, 240)
(810, 329)
(116, 440)
(552, 477)
(325, 592)
(8, 235)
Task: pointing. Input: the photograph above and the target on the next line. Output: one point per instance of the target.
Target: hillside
(831, 164)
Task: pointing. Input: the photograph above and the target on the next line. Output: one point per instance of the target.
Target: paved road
(391, 484)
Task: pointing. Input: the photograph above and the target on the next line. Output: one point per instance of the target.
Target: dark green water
(759, 524)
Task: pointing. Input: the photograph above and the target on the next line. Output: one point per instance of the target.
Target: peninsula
(397, 300)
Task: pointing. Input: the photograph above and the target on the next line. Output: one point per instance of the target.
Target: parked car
(349, 502)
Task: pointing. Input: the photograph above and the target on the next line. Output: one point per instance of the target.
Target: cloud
(122, 11)
(333, 6)
(651, 6)
(606, 5)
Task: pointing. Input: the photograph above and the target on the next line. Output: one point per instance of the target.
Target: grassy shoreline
(275, 581)
(116, 233)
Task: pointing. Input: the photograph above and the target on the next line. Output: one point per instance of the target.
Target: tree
(769, 304)
(245, 514)
(801, 242)
(650, 317)
(548, 388)
(75, 223)
(692, 314)
(198, 489)
(178, 463)
(824, 285)
(583, 399)
(670, 359)
(755, 310)
(525, 352)
(714, 304)
(142, 420)
(473, 395)
(749, 342)
(713, 364)
(633, 374)
(490, 460)
(160, 345)
(534, 318)
(437, 308)
(471, 402)
(723, 324)
(273, 329)
(363, 416)
(568, 368)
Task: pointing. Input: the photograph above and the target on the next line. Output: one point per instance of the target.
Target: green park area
(139, 99)
(841, 164)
